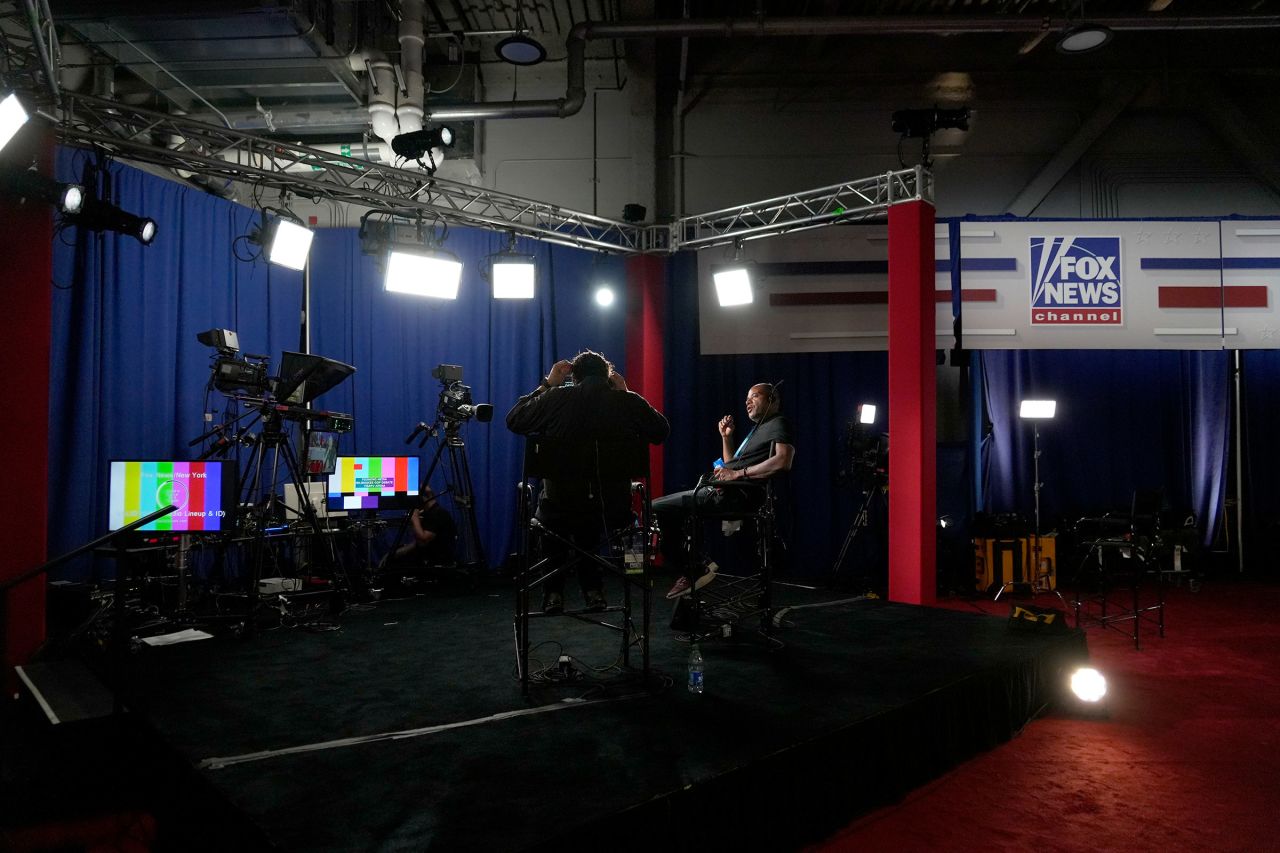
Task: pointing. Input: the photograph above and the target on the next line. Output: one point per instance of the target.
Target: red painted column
(912, 406)
(26, 305)
(646, 333)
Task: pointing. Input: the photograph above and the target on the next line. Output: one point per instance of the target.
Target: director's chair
(591, 462)
(714, 610)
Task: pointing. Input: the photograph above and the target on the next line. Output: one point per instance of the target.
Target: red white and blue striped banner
(1086, 284)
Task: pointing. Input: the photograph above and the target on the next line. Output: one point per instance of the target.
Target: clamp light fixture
(733, 280)
(513, 274)
(98, 215)
(287, 241)
(428, 142)
(28, 183)
(12, 117)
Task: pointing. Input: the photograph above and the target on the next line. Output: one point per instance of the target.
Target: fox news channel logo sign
(1075, 281)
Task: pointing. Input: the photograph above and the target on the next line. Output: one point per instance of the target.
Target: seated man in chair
(767, 451)
(597, 405)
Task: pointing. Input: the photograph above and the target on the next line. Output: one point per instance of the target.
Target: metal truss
(191, 147)
(851, 201)
(29, 51)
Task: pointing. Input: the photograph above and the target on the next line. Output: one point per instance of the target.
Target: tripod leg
(464, 499)
(342, 583)
(859, 522)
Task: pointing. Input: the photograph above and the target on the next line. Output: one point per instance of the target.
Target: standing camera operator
(597, 405)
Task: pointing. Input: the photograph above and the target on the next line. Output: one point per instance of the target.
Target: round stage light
(72, 198)
(1088, 684)
(604, 297)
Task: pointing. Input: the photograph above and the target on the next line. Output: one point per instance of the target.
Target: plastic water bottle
(695, 669)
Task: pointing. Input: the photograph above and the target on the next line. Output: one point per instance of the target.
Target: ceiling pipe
(575, 94)
(381, 85)
(410, 111)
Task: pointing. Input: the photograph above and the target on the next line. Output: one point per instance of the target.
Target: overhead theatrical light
(604, 296)
(428, 142)
(512, 273)
(423, 271)
(98, 215)
(867, 413)
(28, 183)
(733, 280)
(521, 48)
(1084, 38)
(287, 241)
(12, 117)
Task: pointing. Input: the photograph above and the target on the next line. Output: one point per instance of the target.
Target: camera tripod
(861, 520)
(457, 483)
(275, 440)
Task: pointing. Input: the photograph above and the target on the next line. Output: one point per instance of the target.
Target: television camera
(231, 371)
(456, 404)
(866, 457)
(455, 408)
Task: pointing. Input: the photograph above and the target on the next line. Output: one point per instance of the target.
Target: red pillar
(646, 333)
(26, 305)
(912, 406)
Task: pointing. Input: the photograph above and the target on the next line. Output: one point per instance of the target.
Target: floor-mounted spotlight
(1088, 685)
(98, 215)
(28, 183)
(287, 241)
(512, 273)
(423, 271)
(428, 142)
(12, 117)
(733, 280)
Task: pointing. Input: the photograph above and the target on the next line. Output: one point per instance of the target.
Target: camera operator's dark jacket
(591, 410)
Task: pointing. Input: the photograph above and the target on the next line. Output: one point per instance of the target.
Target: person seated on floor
(767, 451)
(597, 405)
(434, 537)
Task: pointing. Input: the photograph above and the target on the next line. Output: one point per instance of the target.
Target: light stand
(1035, 411)
(863, 452)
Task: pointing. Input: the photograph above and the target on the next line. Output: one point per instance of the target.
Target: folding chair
(592, 462)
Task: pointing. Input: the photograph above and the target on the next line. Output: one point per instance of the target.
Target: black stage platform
(405, 729)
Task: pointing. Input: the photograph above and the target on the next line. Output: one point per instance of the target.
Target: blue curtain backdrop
(1260, 412)
(1126, 420)
(130, 377)
(820, 394)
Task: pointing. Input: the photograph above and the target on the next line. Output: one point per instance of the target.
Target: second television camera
(456, 405)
